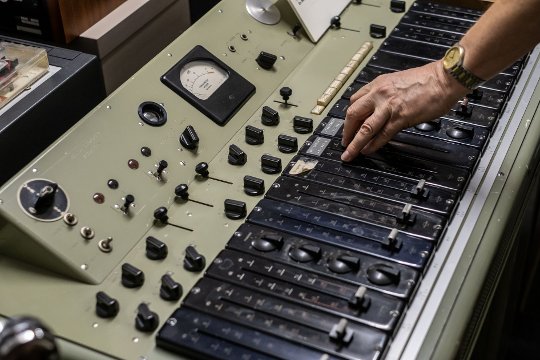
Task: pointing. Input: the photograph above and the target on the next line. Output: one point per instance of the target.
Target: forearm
(507, 31)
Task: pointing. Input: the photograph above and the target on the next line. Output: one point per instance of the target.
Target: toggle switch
(285, 93)
(128, 201)
(161, 166)
(45, 198)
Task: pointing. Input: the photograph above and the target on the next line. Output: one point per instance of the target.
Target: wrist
(451, 86)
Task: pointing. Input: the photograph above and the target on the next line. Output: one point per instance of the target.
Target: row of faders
(326, 264)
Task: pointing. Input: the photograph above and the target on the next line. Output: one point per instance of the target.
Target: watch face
(452, 57)
(202, 78)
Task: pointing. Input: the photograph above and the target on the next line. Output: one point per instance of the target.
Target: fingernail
(346, 156)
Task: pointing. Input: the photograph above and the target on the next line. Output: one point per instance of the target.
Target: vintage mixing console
(201, 211)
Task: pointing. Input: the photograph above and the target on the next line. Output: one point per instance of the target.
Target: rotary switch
(146, 320)
(170, 290)
(305, 253)
(106, 306)
(132, 277)
(269, 242)
(156, 249)
(236, 155)
(302, 125)
(235, 209)
(269, 117)
(254, 136)
(189, 138)
(193, 260)
(382, 274)
(343, 264)
(266, 60)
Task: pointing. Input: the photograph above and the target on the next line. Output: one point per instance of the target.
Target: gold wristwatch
(453, 64)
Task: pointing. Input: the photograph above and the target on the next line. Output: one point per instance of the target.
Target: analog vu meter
(208, 84)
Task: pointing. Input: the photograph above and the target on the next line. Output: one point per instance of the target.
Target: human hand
(396, 101)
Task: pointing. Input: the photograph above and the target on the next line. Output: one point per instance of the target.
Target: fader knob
(189, 138)
(285, 93)
(160, 214)
(128, 200)
(182, 191)
(202, 169)
(106, 306)
(146, 320)
(193, 260)
(23, 338)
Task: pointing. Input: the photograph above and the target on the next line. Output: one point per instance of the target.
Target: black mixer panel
(327, 262)
(397, 164)
(374, 184)
(288, 285)
(334, 229)
(202, 336)
(357, 207)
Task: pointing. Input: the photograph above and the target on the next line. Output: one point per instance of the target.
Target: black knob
(146, 320)
(202, 169)
(305, 253)
(106, 306)
(253, 186)
(429, 126)
(193, 260)
(156, 249)
(377, 31)
(343, 264)
(254, 136)
(461, 132)
(285, 93)
(182, 191)
(266, 60)
(45, 198)
(335, 22)
(382, 274)
(24, 338)
(170, 290)
(236, 155)
(269, 242)
(162, 165)
(132, 277)
(397, 6)
(287, 144)
(189, 138)
(235, 209)
(269, 117)
(270, 164)
(302, 125)
(160, 214)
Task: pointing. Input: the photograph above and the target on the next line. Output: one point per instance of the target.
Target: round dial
(452, 57)
(202, 78)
